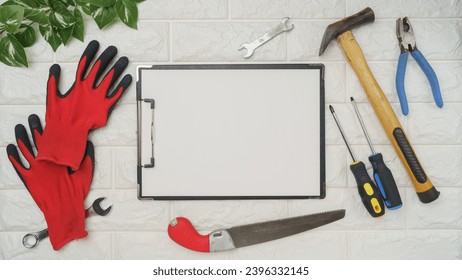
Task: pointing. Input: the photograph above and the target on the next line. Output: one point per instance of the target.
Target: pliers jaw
(405, 35)
(406, 40)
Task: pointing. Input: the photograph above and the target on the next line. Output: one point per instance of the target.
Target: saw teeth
(339, 211)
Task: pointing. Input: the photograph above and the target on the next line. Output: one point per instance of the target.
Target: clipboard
(231, 131)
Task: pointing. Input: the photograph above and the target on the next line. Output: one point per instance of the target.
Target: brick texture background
(200, 31)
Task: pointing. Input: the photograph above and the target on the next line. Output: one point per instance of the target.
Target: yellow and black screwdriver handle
(370, 194)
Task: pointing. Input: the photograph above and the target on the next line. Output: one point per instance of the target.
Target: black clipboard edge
(322, 132)
(139, 99)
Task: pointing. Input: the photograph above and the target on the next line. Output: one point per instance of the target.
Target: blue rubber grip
(382, 190)
(400, 82)
(431, 76)
(385, 182)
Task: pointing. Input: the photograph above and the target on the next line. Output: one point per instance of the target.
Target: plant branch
(59, 16)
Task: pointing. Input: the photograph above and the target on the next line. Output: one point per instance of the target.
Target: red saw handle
(183, 233)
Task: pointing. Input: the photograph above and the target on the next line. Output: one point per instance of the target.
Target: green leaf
(100, 3)
(51, 35)
(12, 52)
(79, 26)
(11, 17)
(81, 2)
(60, 16)
(68, 2)
(28, 3)
(127, 11)
(88, 9)
(104, 16)
(66, 34)
(26, 36)
(8, 3)
(37, 16)
(43, 3)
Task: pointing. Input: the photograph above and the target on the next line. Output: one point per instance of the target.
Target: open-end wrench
(31, 240)
(251, 47)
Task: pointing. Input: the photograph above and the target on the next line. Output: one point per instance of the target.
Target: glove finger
(114, 74)
(84, 175)
(21, 170)
(86, 59)
(16, 161)
(118, 91)
(52, 86)
(22, 138)
(101, 64)
(36, 129)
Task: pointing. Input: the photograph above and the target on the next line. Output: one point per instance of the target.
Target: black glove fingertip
(12, 151)
(117, 70)
(35, 125)
(21, 134)
(104, 59)
(89, 53)
(55, 70)
(126, 81)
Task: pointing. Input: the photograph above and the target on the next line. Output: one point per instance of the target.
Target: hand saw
(183, 232)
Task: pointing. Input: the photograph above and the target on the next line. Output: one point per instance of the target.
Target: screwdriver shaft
(368, 191)
(363, 126)
(341, 132)
(382, 174)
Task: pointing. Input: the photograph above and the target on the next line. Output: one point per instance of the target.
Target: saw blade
(251, 234)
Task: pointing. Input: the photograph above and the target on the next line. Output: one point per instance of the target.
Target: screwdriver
(366, 188)
(382, 174)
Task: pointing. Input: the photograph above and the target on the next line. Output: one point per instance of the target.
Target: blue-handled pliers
(407, 44)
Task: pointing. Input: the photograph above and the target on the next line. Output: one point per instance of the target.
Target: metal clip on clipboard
(140, 102)
(140, 165)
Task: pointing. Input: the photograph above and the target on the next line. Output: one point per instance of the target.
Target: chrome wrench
(251, 47)
(31, 240)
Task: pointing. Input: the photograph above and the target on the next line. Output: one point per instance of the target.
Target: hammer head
(348, 23)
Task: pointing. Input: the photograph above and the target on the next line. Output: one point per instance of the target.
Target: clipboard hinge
(153, 103)
(150, 100)
(152, 106)
(150, 165)
(138, 90)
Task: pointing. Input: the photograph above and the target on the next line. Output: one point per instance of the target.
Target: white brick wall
(187, 31)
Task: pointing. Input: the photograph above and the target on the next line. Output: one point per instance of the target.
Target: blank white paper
(233, 132)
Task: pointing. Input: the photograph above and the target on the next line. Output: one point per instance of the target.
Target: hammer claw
(337, 28)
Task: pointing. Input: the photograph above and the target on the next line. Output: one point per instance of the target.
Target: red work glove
(57, 191)
(86, 106)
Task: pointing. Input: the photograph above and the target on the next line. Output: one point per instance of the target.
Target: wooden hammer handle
(390, 123)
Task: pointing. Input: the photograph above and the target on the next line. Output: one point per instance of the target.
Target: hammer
(390, 123)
